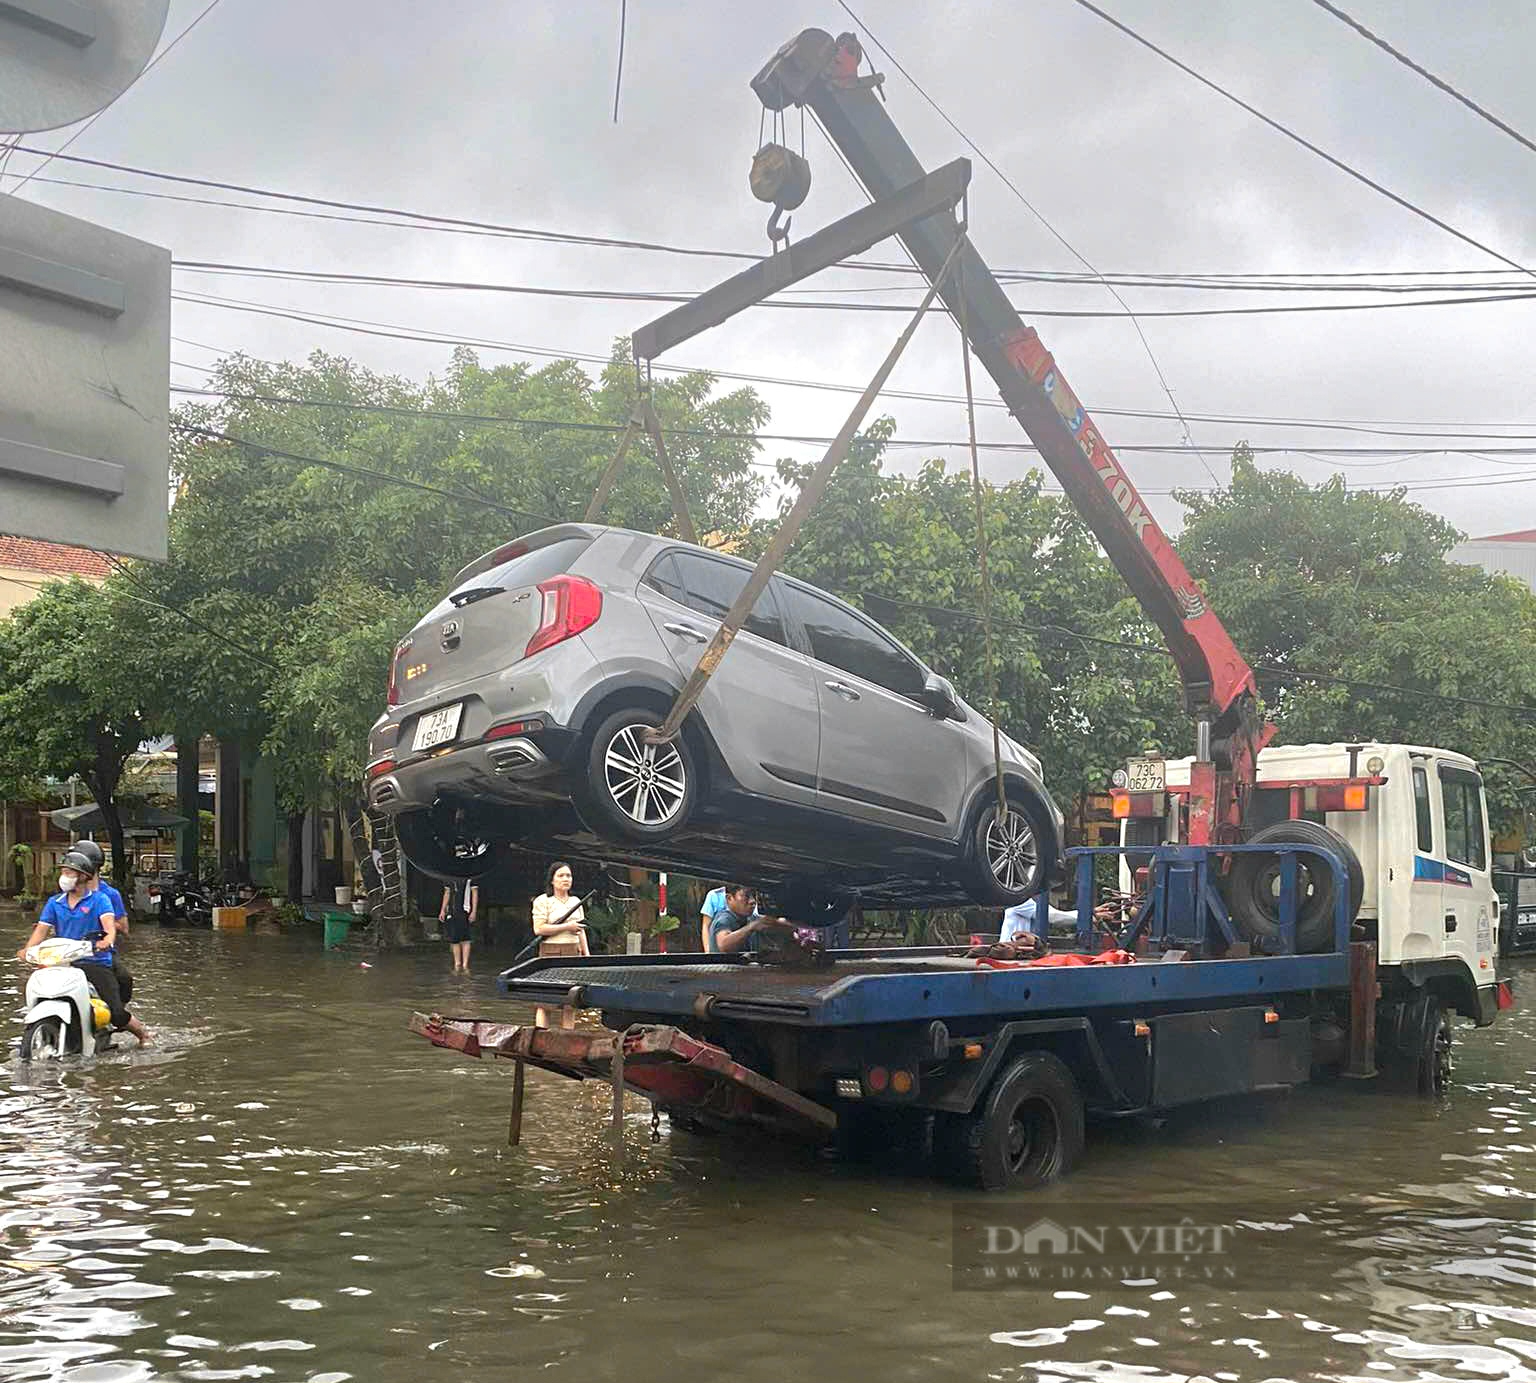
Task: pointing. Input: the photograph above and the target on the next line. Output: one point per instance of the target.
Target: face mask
(67, 882)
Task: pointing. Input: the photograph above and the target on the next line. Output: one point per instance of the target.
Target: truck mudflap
(678, 1073)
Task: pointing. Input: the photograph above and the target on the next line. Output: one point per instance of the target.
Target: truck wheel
(44, 1040)
(1253, 887)
(1010, 859)
(1416, 1054)
(641, 791)
(1028, 1129)
(439, 848)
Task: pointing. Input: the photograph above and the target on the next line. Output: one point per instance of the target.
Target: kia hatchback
(823, 760)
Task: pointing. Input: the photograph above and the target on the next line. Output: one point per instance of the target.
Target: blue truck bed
(904, 986)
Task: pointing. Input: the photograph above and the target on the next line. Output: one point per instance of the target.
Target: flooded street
(290, 1186)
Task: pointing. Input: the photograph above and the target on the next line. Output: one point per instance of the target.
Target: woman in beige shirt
(560, 924)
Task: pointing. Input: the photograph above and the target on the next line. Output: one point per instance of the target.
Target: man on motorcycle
(93, 852)
(81, 912)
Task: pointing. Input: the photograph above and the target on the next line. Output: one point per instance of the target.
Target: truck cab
(1417, 821)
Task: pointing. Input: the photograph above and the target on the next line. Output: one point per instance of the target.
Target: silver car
(823, 760)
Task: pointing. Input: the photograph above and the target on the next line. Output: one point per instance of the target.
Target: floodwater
(290, 1186)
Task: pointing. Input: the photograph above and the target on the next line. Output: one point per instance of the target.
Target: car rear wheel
(446, 849)
(1010, 855)
(640, 790)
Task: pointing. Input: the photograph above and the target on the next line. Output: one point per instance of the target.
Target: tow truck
(1302, 909)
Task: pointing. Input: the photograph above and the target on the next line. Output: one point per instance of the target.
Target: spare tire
(1253, 887)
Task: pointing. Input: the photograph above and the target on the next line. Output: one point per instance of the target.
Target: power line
(1424, 72)
(127, 574)
(1267, 669)
(1366, 280)
(148, 68)
(327, 276)
(1305, 143)
(1034, 211)
(1374, 427)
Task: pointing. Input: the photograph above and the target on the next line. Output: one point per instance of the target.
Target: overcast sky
(502, 111)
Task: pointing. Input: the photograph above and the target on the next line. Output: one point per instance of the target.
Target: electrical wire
(148, 68)
(275, 273)
(1365, 33)
(1267, 669)
(128, 575)
(1305, 143)
(618, 76)
(1034, 211)
(1372, 427)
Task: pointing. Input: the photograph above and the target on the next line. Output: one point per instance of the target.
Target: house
(28, 563)
(1513, 554)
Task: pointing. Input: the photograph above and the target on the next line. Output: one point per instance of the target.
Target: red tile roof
(54, 559)
(1524, 535)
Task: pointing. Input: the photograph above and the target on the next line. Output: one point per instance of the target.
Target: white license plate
(1145, 775)
(438, 727)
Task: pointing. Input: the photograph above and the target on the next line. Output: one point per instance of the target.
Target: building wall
(1517, 559)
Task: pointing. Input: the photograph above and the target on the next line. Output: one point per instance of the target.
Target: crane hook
(776, 232)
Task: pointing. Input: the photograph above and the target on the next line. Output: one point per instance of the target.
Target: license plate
(1145, 775)
(438, 727)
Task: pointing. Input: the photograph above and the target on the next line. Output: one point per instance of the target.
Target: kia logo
(450, 635)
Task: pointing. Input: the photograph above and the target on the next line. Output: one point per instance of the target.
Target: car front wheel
(1010, 854)
(642, 791)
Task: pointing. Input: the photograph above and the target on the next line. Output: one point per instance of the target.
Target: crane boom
(821, 72)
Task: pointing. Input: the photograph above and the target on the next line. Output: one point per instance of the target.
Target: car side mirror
(940, 697)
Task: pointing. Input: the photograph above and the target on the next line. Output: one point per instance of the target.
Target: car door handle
(687, 631)
(843, 690)
(1450, 921)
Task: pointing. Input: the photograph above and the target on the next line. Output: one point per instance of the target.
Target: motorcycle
(63, 1016)
(183, 903)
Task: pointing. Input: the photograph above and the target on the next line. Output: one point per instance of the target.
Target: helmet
(76, 859)
(91, 851)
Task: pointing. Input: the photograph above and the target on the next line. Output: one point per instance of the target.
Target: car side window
(663, 577)
(1461, 798)
(711, 587)
(1426, 839)
(839, 637)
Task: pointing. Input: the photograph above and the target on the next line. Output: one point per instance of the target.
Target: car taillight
(571, 604)
(401, 649)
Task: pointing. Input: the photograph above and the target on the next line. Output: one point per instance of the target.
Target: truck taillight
(401, 649)
(571, 604)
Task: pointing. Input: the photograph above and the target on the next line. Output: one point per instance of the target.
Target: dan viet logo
(1098, 1248)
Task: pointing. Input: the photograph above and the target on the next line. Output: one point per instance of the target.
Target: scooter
(63, 1017)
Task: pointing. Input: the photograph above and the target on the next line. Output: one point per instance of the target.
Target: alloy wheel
(1012, 854)
(648, 782)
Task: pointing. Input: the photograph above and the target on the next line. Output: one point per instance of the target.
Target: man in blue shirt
(82, 912)
(714, 903)
(738, 925)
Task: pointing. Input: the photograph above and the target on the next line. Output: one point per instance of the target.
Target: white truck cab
(1422, 840)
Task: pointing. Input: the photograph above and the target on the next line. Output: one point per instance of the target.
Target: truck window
(1461, 794)
(1421, 810)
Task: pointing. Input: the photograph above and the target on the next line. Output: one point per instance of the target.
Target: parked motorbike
(63, 1016)
(183, 903)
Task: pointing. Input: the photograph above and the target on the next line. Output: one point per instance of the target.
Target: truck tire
(1414, 1046)
(1253, 887)
(1027, 1130)
(1007, 863)
(638, 791)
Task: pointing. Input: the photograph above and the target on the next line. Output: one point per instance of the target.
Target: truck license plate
(438, 727)
(1145, 775)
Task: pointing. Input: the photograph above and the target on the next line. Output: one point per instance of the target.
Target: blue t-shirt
(80, 922)
(118, 910)
(714, 903)
(727, 921)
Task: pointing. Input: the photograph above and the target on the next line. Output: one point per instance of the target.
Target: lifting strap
(643, 416)
(978, 495)
(809, 496)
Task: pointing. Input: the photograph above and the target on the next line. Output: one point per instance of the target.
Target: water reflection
(293, 1188)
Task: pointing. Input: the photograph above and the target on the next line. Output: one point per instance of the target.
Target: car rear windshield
(529, 568)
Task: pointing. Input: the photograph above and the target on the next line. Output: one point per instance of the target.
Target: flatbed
(904, 986)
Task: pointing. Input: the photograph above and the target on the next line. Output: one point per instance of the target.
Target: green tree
(71, 689)
(1356, 586)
